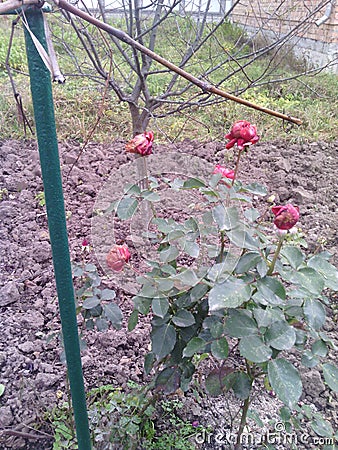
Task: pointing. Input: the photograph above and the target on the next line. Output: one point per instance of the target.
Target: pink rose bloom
(141, 144)
(285, 216)
(243, 134)
(227, 173)
(117, 257)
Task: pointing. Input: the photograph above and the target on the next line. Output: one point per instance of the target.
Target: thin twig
(97, 120)
(23, 434)
(21, 113)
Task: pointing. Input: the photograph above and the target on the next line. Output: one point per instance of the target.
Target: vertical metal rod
(41, 90)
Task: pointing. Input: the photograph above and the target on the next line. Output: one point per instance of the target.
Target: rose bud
(285, 216)
(227, 173)
(141, 144)
(117, 257)
(243, 134)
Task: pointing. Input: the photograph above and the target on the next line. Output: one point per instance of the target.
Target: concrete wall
(315, 39)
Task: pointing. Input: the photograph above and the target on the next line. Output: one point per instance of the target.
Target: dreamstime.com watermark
(279, 436)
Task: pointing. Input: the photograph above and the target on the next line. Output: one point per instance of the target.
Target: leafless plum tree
(197, 37)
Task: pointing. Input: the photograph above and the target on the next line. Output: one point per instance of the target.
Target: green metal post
(41, 89)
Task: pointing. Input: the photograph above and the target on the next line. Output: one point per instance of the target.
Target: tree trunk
(140, 119)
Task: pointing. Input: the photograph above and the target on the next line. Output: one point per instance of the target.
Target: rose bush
(261, 295)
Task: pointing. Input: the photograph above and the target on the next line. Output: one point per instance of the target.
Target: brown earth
(30, 367)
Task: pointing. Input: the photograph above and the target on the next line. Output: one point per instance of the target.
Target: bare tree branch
(136, 45)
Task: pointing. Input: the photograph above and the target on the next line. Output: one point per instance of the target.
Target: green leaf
(253, 414)
(91, 302)
(255, 189)
(133, 320)
(192, 249)
(183, 318)
(322, 427)
(314, 312)
(163, 225)
(285, 381)
(198, 292)
(131, 188)
(240, 384)
(254, 349)
(77, 271)
(242, 239)
(101, 324)
(226, 218)
(186, 279)
(169, 254)
(108, 294)
(319, 348)
(265, 317)
(309, 360)
(163, 340)
(2, 389)
(216, 328)
(240, 324)
(330, 373)
(252, 214)
(193, 183)
(142, 304)
(151, 196)
(113, 314)
(175, 234)
(280, 335)
(220, 271)
(326, 270)
(195, 345)
(90, 267)
(160, 306)
(149, 360)
(167, 268)
(230, 294)
(220, 348)
(271, 290)
(126, 208)
(164, 284)
(248, 261)
(214, 382)
(285, 413)
(293, 255)
(309, 279)
(168, 381)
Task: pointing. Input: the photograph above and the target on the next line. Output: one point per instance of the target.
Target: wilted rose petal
(117, 257)
(141, 144)
(227, 173)
(285, 216)
(243, 134)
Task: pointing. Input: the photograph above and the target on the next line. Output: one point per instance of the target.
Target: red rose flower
(243, 134)
(117, 257)
(227, 173)
(285, 216)
(141, 144)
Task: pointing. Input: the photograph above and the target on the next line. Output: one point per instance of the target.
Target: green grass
(127, 419)
(314, 100)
